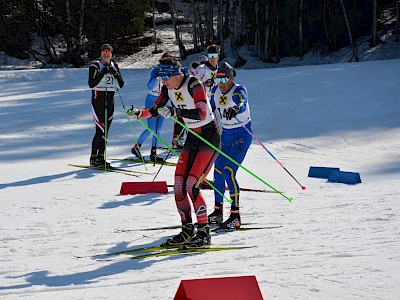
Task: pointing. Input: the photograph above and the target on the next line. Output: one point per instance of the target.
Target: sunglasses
(106, 51)
(222, 79)
(214, 55)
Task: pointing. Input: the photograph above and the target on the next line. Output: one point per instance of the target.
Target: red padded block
(133, 188)
(232, 288)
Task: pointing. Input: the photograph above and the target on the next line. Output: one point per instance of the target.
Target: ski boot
(102, 162)
(185, 235)
(216, 216)
(153, 155)
(202, 239)
(136, 151)
(233, 221)
(98, 161)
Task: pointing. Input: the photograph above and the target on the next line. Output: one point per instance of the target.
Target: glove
(105, 70)
(134, 113)
(114, 71)
(167, 111)
(231, 112)
(195, 64)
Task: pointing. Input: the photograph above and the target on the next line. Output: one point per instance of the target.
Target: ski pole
(231, 159)
(262, 145)
(175, 153)
(169, 152)
(130, 125)
(105, 131)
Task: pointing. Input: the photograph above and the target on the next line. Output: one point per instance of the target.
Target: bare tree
(195, 28)
(398, 19)
(300, 20)
(235, 26)
(155, 30)
(220, 24)
(81, 22)
(352, 43)
(328, 17)
(374, 22)
(257, 41)
(182, 50)
(209, 21)
(276, 31)
(268, 55)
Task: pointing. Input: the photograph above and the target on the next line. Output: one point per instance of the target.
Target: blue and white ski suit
(235, 140)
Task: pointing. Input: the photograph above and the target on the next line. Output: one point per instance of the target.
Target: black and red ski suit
(197, 157)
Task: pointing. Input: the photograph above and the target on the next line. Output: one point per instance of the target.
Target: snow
(337, 241)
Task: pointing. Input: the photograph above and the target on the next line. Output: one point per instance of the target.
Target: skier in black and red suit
(102, 76)
(189, 101)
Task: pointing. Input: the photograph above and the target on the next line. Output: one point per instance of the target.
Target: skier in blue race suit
(229, 101)
(155, 124)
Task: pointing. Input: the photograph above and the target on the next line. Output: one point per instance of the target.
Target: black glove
(231, 112)
(105, 70)
(195, 64)
(134, 113)
(114, 71)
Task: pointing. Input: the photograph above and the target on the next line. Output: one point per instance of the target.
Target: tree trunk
(68, 33)
(81, 22)
(182, 50)
(234, 12)
(301, 9)
(257, 43)
(194, 22)
(374, 22)
(354, 48)
(200, 23)
(220, 24)
(210, 21)
(276, 32)
(268, 55)
(154, 29)
(398, 20)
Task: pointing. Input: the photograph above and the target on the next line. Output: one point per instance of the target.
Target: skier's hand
(231, 112)
(167, 111)
(134, 113)
(114, 71)
(105, 70)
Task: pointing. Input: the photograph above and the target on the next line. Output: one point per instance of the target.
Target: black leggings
(99, 113)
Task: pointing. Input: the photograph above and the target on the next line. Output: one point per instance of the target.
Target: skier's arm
(95, 76)
(240, 98)
(151, 112)
(153, 81)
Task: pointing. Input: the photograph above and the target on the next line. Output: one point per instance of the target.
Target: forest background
(69, 32)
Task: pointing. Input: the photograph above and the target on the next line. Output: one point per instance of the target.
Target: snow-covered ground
(337, 241)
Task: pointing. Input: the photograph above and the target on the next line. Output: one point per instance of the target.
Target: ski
(205, 186)
(218, 229)
(111, 169)
(169, 252)
(155, 251)
(147, 161)
(162, 228)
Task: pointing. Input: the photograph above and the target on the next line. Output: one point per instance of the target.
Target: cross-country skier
(189, 101)
(229, 100)
(104, 76)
